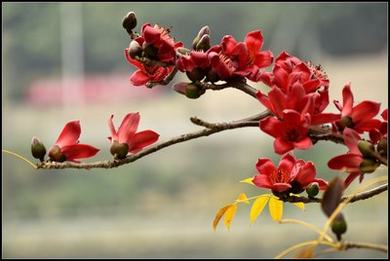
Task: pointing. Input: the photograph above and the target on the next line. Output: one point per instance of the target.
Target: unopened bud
(193, 91)
(313, 189)
(368, 166)
(135, 49)
(212, 76)
(339, 226)
(119, 150)
(55, 154)
(149, 50)
(38, 150)
(345, 122)
(204, 43)
(366, 148)
(183, 50)
(129, 21)
(197, 74)
(203, 31)
(382, 147)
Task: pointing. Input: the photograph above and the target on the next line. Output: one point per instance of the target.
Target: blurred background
(64, 61)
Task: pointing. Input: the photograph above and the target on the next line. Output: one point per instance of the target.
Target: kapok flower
(67, 146)
(291, 175)
(380, 133)
(127, 139)
(289, 70)
(359, 117)
(196, 64)
(289, 133)
(354, 162)
(147, 73)
(243, 59)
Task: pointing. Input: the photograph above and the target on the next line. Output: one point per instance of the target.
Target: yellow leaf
(243, 198)
(248, 180)
(275, 208)
(229, 215)
(219, 215)
(300, 205)
(257, 207)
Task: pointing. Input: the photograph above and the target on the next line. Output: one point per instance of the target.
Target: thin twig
(347, 245)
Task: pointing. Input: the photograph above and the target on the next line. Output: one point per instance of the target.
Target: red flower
(289, 133)
(377, 134)
(127, 133)
(160, 40)
(147, 73)
(67, 146)
(291, 176)
(243, 59)
(196, 64)
(289, 70)
(350, 161)
(359, 117)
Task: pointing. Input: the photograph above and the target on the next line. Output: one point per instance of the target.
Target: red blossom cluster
(297, 99)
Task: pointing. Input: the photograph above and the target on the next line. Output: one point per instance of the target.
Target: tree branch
(211, 129)
(347, 245)
(361, 196)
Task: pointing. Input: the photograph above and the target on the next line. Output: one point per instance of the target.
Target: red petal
(228, 43)
(280, 187)
(280, 77)
(351, 177)
(303, 144)
(375, 135)
(364, 111)
(266, 78)
(70, 134)
(219, 66)
(139, 78)
(78, 151)
(324, 118)
(114, 134)
(262, 181)
(271, 126)
(292, 117)
(384, 115)
(282, 146)
(141, 140)
(322, 183)
(306, 174)
(241, 51)
(311, 85)
(338, 105)
(264, 59)
(347, 100)
(278, 101)
(367, 125)
(254, 41)
(349, 161)
(151, 34)
(128, 127)
(351, 140)
(265, 167)
(286, 163)
(264, 100)
(200, 59)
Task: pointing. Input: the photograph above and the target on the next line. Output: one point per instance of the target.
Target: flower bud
(197, 74)
(38, 150)
(368, 166)
(203, 31)
(119, 150)
(135, 49)
(382, 147)
(129, 21)
(149, 50)
(366, 148)
(212, 76)
(313, 189)
(193, 91)
(55, 154)
(344, 122)
(204, 43)
(339, 226)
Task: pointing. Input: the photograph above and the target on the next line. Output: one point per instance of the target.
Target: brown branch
(348, 245)
(211, 129)
(361, 196)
